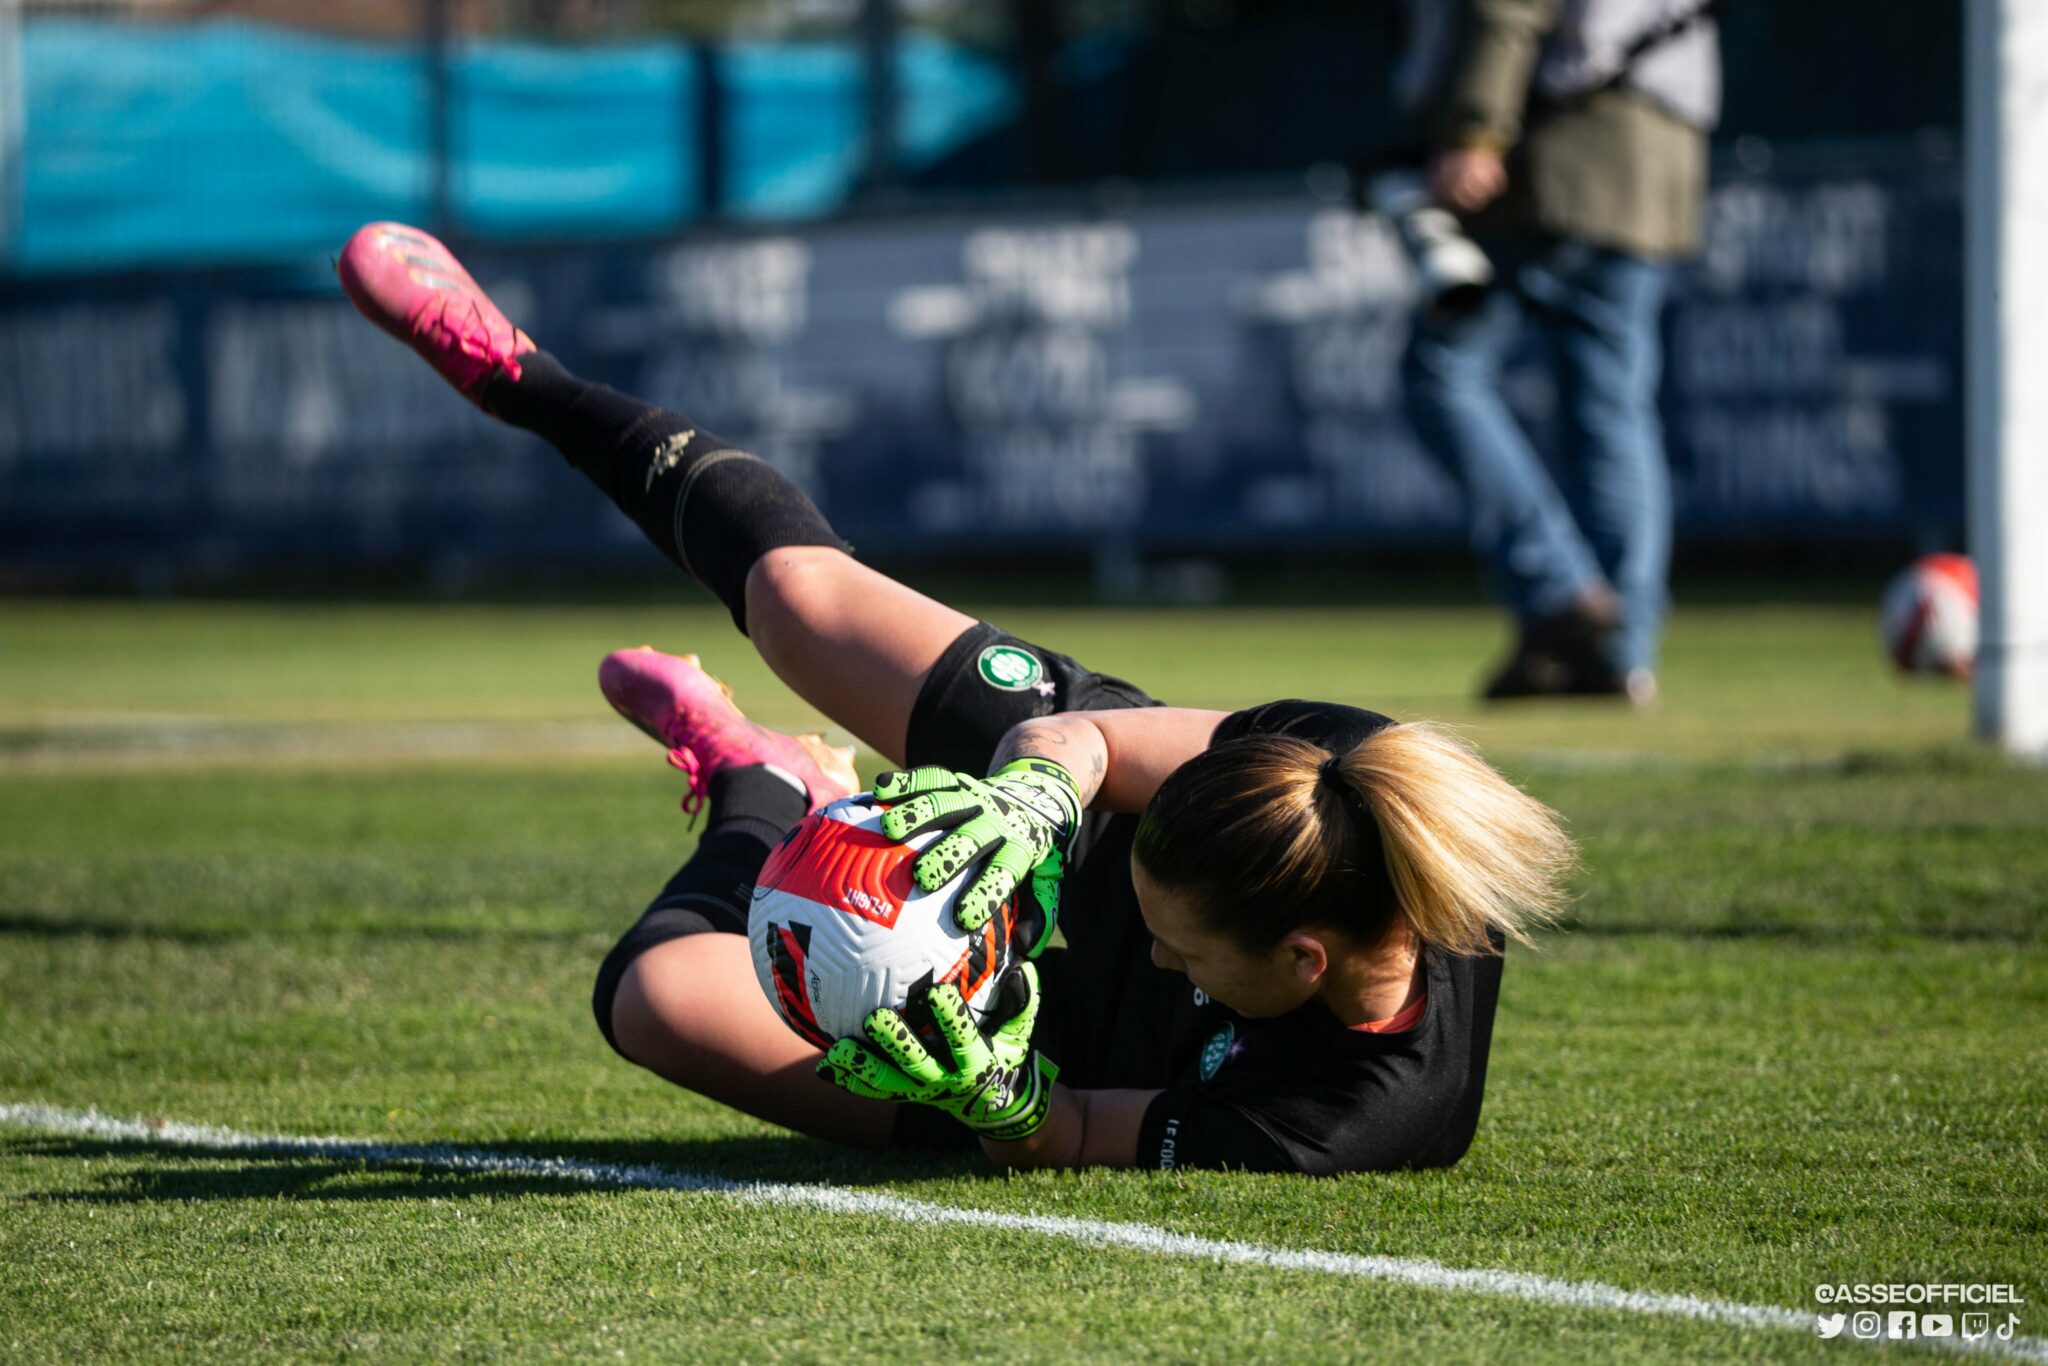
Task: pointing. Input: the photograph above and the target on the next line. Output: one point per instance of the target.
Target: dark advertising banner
(1222, 375)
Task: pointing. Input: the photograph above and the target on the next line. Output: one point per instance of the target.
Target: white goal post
(2006, 361)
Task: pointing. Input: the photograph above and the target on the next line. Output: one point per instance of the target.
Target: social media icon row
(1906, 1323)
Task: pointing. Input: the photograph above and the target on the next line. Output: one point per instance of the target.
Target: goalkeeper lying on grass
(1283, 925)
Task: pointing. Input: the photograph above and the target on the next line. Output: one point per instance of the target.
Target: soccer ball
(838, 927)
(1930, 616)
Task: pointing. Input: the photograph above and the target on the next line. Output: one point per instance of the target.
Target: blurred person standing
(1570, 138)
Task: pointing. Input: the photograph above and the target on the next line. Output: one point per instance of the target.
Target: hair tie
(1359, 823)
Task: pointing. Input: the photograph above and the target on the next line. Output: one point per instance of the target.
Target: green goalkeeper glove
(1022, 820)
(995, 1083)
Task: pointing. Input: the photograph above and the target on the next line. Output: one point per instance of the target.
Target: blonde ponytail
(1470, 854)
(1270, 834)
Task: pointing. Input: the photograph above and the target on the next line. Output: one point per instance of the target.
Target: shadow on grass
(410, 1171)
(29, 924)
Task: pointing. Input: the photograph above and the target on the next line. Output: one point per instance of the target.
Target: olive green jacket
(1615, 168)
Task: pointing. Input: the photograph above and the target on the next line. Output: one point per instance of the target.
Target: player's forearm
(1057, 1143)
(1118, 758)
(1069, 740)
(1082, 1129)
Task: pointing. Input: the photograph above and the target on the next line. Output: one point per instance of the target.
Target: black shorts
(986, 682)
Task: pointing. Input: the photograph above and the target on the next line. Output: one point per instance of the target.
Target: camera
(1451, 270)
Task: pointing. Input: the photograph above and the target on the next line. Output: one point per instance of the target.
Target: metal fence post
(439, 54)
(880, 30)
(707, 119)
(13, 125)
(1038, 27)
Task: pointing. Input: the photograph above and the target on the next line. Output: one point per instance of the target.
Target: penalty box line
(1419, 1272)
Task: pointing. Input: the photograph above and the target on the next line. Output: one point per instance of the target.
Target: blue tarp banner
(229, 142)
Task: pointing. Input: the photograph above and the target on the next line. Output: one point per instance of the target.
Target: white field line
(1515, 1285)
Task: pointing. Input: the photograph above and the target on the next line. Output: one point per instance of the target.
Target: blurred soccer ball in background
(1930, 616)
(838, 927)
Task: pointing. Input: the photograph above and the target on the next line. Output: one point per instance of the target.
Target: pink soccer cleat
(676, 702)
(410, 285)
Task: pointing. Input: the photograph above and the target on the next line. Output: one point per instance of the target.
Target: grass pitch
(349, 870)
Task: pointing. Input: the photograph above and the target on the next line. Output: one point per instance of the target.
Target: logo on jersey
(1216, 1052)
(1011, 669)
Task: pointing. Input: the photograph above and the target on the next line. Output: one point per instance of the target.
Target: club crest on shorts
(1216, 1052)
(1009, 668)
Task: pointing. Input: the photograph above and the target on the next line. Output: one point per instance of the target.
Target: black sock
(752, 804)
(750, 811)
(710, 508)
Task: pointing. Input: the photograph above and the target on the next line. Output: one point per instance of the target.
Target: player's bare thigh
(854, 643)
(691, 1011)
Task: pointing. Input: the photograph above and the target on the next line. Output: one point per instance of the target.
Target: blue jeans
(1610, 524)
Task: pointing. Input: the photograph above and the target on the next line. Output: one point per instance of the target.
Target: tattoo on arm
(1031, 739)
(1074, 745)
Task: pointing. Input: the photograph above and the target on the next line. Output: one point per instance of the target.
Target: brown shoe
(1564, 655)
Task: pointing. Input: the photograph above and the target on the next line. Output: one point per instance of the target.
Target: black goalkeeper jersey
(1300, 1092)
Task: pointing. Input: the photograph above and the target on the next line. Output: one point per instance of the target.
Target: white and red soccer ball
(838, 926)
(1930, 616)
